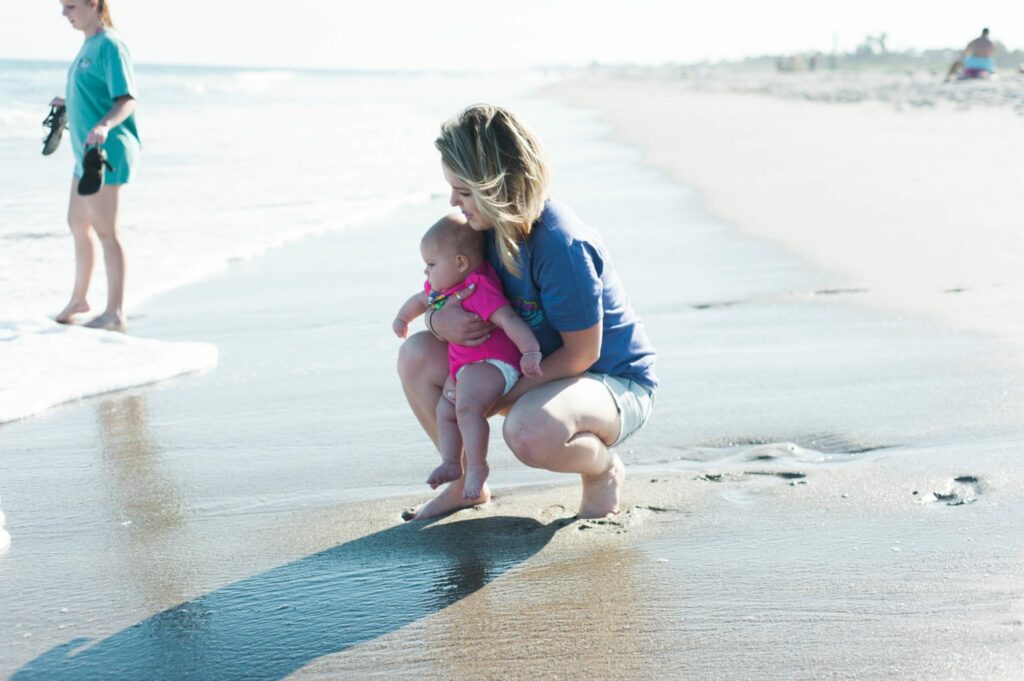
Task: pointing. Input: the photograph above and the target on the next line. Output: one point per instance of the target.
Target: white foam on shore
(43, 364)
(5, 536)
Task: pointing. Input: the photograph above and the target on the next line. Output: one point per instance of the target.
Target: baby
(481, 375)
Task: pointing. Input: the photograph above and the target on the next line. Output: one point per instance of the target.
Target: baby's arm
(519, 331)
(410, 310)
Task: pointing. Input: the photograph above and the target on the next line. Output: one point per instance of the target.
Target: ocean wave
(43, 364)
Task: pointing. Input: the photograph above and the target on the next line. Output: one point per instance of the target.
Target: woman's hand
(58, 101)
(456, 325)
(97, 135)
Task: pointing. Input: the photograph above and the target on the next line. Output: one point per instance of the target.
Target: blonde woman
(597, 383)
(100, 101)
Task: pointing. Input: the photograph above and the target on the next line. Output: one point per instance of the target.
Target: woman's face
(462, 198)
(81, 14)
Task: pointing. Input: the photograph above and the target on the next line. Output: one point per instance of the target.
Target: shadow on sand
(272, 624)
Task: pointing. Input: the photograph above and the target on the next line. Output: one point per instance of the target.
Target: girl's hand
(58, 101)
(97, 135)
(400, 328)
(456, 325)
(530, 364)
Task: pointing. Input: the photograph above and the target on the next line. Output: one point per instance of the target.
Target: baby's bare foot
(72, 308)
(476, 476)
(446, 472)
(447, 500)
(107, 322)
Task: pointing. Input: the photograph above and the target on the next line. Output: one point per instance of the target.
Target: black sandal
(92, 170)
(57, 121)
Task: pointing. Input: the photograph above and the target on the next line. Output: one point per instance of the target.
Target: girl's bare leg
(449, 442)
(81, 231)
(423, 368)
(103, 208)
(480, 386)
(564, 426)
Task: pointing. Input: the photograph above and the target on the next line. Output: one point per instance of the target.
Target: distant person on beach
(598, 383)
(977, 60)
(100, 101)
(478, 375)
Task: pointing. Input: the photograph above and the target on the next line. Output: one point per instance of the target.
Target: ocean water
(235, 162)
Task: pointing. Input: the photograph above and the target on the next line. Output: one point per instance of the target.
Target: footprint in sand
(961, 490)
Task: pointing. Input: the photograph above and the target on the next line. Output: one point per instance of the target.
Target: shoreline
(217, 523)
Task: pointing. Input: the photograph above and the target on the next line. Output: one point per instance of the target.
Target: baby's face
(442, 270)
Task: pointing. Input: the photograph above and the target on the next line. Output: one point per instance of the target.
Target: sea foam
(43, 364)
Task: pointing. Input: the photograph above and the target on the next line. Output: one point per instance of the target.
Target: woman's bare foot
(448, 499)
(476, 476)
(72, 308)
(108, 322)
(601, 492)
(446, 472)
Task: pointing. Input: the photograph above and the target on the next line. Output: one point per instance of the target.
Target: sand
(829, 486)
(918, 206)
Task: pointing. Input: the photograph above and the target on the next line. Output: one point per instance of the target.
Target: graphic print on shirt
(529, 310)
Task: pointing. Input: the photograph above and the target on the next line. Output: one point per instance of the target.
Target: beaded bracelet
(535, 352)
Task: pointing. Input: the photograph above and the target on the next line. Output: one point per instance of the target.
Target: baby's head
(451, 250)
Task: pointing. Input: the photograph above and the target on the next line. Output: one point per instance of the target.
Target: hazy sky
(388, 34)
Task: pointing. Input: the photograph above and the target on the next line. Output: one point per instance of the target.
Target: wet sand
(828, 486)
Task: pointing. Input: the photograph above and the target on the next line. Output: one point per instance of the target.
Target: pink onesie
(486, 298)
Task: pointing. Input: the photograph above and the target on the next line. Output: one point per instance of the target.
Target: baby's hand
(400, 328)
(530, 364)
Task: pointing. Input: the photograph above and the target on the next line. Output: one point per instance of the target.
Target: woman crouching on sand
(597, 384)
(100, 106)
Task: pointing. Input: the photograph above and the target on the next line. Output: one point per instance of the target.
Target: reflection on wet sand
(279, 621)
(573, 614)
(143, 499)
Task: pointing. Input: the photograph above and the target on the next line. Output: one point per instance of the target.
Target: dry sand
(921, 207)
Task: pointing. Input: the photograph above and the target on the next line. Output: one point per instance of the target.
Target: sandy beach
(829, 487)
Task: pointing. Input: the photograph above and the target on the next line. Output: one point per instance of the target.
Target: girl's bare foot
(108, 322)
(476, 476)
(449, 499)
(446, 472)
(601, 492)
(72, 308)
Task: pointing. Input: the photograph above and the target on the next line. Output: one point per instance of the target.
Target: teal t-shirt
(101, 73)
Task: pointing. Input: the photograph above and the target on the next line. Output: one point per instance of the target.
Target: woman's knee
(533, 436)
(416, 357)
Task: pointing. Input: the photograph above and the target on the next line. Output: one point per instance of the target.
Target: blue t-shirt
(569, 284)
(100, 74)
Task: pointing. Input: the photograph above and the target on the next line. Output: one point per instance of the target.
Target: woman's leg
(423, 368)
(565, 426)
(480, 386)
(81, 231)
(103, 210)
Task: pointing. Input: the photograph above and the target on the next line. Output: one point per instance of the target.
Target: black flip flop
(56, 121)
(93, 162)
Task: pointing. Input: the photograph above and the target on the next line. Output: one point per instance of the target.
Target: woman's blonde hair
(504, 166)
(103, 10)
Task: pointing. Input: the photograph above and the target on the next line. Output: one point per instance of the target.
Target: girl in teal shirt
(100, 101)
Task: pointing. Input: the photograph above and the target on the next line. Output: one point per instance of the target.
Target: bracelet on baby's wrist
(430, 326)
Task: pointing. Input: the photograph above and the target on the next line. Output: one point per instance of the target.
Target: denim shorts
(634, 402)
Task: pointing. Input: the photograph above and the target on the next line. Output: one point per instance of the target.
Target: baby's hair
(454, 234)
